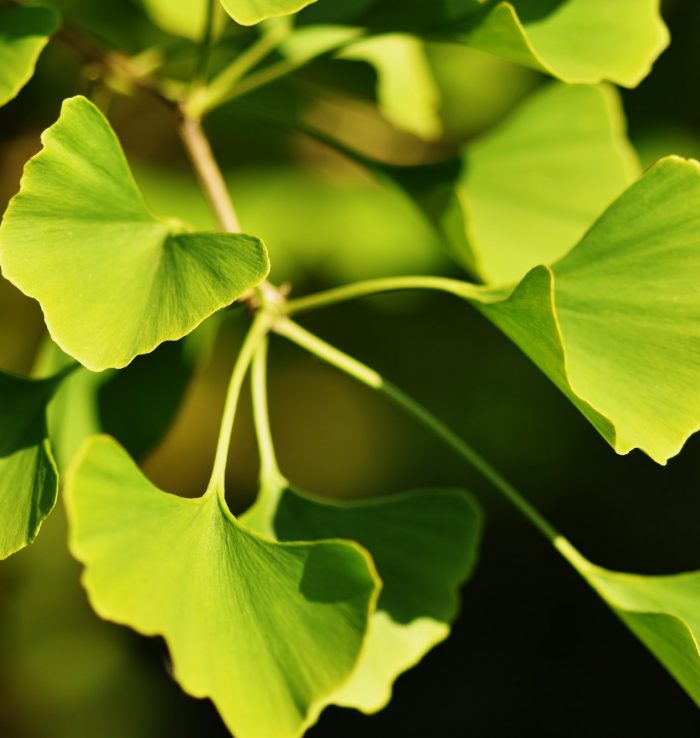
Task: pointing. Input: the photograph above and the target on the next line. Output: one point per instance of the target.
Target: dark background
(534, 651)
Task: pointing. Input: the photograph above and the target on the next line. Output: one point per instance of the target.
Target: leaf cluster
(589, 265)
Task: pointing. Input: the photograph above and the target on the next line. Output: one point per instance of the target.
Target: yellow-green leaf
(584, 41)
(424, 545)
(113, 280)
(616, 323)
(250, 12)
(530, 189)
(662, 611)
(267, 630)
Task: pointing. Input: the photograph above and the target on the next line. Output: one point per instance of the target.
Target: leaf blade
(24, 32)
(112, 279)
(231, 604)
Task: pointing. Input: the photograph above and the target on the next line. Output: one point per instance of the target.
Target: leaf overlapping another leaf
(576, 41)
(531, 188)
(424, 545)
(615, 324)
(113, 280)
(24, 32)
(267, 630)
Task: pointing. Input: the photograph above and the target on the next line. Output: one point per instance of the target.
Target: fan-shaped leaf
(530, 189)
(585, 41)
(113, 280)
(24, 32)
(28, 476)
(407, 93)
(662, 611)
(250, 12)
(267, 630)
(616, 323)
(424, 545)
(186, 18)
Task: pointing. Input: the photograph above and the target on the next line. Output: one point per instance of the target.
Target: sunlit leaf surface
(267, 630)
(424, 545)
(250, 12)
(113, 280)
(531, 188)
(575, 40)
(616, 323)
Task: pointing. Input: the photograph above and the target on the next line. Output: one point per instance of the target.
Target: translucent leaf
(662, 611)
(28, 477)
(406, 90)
(186, 18)
(585, 41)
(267, 630)
(424, 545)
(616, 323)
(577, 41)
(250, 12)
(24, 32)
(530, 189)
(113, 280)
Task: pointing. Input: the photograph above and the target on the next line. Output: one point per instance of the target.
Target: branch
(115, 62)
(210, 177)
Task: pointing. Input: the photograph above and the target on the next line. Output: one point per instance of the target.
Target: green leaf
(186, 18)
(250, 12)
(578, 41)
(424, 545)
(616, 323)
(113, 280)
(267, 630)
(662, 611)
(407, 93)
(24, 32)
(28, 476)
(530, 189)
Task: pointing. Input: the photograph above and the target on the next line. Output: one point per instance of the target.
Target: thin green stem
(258, 330)
(371, 378)
(200, 73)
(269, 468)
(372, 287)
(222, 87)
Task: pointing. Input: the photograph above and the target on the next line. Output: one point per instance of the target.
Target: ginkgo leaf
(113, 280)
(250, 12)
(24, 32)
(186, 18)
(662, 611)
(267, 630)
(424, 545)
(531, 188)
(584, 41)
(407, 93)
(28, 476)
(577, 41)
(616, 323)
